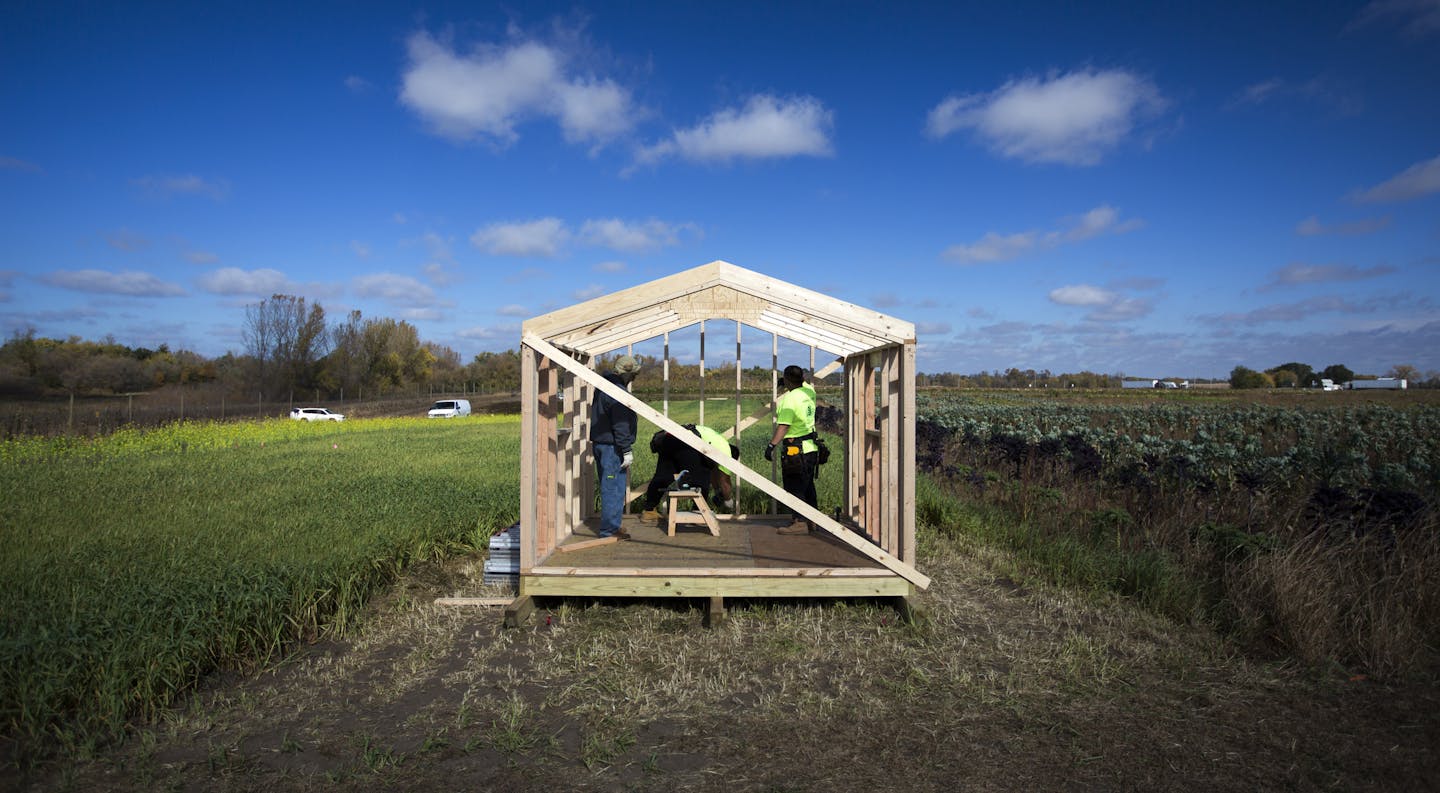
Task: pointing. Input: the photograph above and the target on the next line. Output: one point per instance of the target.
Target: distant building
(1386, 383)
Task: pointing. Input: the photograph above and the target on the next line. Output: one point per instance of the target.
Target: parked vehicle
(315, 414)
(449, 409)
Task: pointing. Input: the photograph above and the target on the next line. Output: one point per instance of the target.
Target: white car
(315, 414)
(449, 409)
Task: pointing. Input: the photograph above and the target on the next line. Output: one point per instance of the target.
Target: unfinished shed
(866, 549)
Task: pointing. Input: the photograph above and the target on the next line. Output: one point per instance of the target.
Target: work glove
(770, 453)
(626, 460)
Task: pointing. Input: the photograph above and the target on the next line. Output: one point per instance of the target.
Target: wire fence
(99, 415)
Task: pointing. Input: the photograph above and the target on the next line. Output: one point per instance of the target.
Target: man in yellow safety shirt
(799, 458)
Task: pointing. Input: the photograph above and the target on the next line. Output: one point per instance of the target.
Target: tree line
(291, 347)
(1300, 375)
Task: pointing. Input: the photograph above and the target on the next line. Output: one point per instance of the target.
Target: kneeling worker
(673, 458)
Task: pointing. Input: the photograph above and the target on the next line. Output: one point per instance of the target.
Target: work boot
(798, 527)
(650, 514)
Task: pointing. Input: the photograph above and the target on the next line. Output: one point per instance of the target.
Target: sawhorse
(701, 513)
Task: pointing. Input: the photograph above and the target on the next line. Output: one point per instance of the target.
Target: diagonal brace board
(746, 474)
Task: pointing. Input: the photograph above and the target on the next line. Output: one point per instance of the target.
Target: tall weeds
(1328, 551)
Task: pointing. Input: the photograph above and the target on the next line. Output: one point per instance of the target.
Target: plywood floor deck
(746, 543)
(749, 558)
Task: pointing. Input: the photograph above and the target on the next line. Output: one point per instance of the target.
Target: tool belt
(793, 457)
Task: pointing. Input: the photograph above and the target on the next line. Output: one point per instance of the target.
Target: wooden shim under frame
(583, 544)
(488, 602)
(746, 473)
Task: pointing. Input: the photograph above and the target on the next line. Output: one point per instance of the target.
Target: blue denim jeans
(613, 483)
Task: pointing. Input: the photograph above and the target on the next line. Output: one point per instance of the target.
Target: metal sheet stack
(503, 564)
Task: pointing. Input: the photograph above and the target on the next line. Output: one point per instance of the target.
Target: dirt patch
(999, 685)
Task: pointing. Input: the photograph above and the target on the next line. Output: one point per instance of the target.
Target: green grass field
(134, 564)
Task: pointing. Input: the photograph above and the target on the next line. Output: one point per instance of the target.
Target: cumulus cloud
(129, 283)
(187, 184)
(932, 328)
(544, 238)
(1106, 305)
(995, 247)
(257, 283)
(632, 237)
(487, 93)
(1312, 227)
(1072, 119)
(1299, 273)
(767, 127)
(397, 289)
(610, 267)
(1417, 181)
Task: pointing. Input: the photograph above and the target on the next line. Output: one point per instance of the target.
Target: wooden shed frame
(557, 481)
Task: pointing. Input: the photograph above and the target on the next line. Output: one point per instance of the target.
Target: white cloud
(513, 310)
(1298, 273)
(488, 92)
(491, 333)
(188, 184)
(995, 247)
(1082, 295)
(1106, 305)
(610, 267)
(932, 328)
(767, 127)
(1417, 181)
(1312, 227)
(130, 283)
(398, 289)
(1073, 119)
(638, 237)
(588, 293)
(234, 281)
(1417, 18)
(544, 237)
(357, 84)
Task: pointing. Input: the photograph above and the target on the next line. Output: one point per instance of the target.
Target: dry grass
(1001, 684)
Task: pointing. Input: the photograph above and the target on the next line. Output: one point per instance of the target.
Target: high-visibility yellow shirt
(716, 440)
(796, 408)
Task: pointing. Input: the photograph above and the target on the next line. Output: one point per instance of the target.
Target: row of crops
(1206, 446)
(1311, 529)
(134, 564)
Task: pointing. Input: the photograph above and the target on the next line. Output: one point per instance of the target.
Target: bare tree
(286, 340)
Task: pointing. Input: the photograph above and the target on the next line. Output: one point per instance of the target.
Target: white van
(449, 409)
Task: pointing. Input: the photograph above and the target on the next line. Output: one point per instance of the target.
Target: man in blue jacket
(612, 434)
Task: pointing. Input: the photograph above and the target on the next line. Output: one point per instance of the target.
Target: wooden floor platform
(748, 559)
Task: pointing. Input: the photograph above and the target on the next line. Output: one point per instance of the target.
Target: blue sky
(1154, 189)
